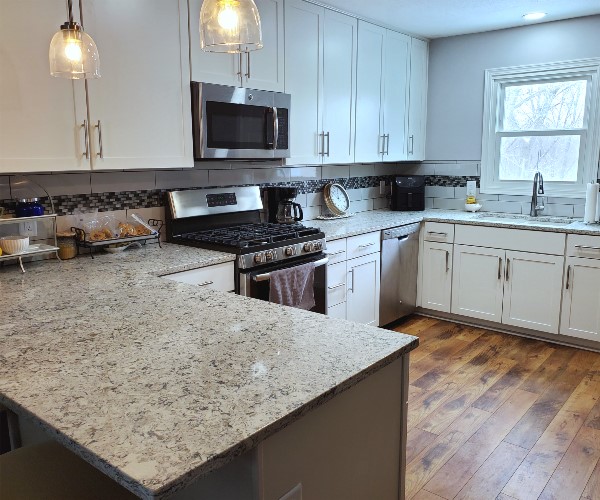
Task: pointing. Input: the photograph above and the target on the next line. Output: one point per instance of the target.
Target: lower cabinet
(218, 277)
(363, 289)
(580, 315)
(436, 279)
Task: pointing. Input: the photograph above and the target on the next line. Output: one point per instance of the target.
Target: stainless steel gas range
(228, 220)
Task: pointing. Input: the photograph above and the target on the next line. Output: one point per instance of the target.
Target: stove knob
(318, 245)
(309, 247)
(289, 251)
(258, 258)
(269, 255)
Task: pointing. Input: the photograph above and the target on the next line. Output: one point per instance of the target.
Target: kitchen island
(172, 390)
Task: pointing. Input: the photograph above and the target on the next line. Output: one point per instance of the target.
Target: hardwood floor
(495, 416)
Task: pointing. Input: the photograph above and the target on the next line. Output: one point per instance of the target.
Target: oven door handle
(267, 276)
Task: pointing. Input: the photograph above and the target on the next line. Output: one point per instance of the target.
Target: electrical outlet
(382, 187)
(28, 228)
(294, 494)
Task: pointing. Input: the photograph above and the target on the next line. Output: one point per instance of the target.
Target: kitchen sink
(525, 219)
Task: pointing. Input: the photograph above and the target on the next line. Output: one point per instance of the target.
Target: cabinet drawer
(580, 245)
(338, 311)
(439, 231)
(336, 251)
(336, 283)
(510, 239)
(218, 277)
(363, 244)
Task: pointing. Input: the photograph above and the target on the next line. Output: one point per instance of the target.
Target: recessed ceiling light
(534, 16)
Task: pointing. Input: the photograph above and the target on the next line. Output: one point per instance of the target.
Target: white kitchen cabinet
(417, 111)
(320, 47)
(436, 279)
(140, 108)
(532, 291)
(41, 117)
(477, 282)
(580, 316)
(362, 304)
(216, 277)
(261, 69)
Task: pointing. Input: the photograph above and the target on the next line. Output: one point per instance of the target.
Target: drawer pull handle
(585, 247)
(499, 268)
(507, 269)
(339, 252)
(569, 277)
(336, 286)
(206, 283)
(366, 245)
(447, 261)
(438, 233)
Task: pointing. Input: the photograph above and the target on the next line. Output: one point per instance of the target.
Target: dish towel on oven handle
(294, 286)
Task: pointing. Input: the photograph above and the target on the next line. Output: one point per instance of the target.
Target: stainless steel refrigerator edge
(399, 269)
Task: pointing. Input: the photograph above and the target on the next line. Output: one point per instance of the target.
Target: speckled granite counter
(366, 222)
(156, 382)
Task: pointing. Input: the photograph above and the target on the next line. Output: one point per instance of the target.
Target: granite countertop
(155, 382)
(366, 222)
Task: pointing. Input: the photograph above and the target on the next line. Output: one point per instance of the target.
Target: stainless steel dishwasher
(399, 266)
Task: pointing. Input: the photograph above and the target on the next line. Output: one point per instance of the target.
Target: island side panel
(350, 447)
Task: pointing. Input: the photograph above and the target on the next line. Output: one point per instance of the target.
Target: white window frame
(589, 153)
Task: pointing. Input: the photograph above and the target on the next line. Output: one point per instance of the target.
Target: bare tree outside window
(541, 128)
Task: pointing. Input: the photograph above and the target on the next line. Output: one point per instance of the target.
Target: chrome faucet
(538, 188)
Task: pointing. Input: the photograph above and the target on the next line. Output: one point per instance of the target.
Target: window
(544, 117)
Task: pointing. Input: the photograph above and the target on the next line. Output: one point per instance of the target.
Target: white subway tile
(448, 204)
(271, 175)
(117, 182)
(578, 210)
(372, 192)
(558, 210)
(439, 192)
(380, 203)
(501, 206)
(213, 165)
(178, 179)
(428, 202)
(55, 184)
(230, 177)
(486, 196)
(5, 187)
(355, 194)
(301, 198)
(335, 172)
(314, 199)
(311, 213)
(456, 169)
(388, 169)
(514, 198)
(362, 170)
(361, 206)
(567, 201)
(415, 169)
(305, 173)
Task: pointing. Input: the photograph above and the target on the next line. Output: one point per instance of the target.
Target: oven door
(255, 283)
(231, 122)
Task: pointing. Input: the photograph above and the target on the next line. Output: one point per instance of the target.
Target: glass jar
(29, 207)
(67, 248)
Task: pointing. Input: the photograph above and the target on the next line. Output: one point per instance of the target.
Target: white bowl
(14, 244)
(473, 207)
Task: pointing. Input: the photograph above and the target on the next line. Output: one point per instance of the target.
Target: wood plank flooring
(499, 417)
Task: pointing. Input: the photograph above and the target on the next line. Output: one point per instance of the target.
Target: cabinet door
(532, 291)
(339, 86)
(142, 100)
(436, 281)
(362, 304)
(477, 282)
(369, 88)
(264, 69)
(417, 109)
(41, 117)
(210, 67)
(396, 71)
(303, 53)
(580, 312)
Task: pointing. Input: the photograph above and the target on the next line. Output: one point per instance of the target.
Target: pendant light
(73, 53)
(231, 26)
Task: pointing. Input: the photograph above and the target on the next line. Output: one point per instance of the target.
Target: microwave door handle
(275, 127)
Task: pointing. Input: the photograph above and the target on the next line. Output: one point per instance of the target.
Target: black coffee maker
(280, 200)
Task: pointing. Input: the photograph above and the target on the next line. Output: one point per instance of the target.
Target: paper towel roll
(591, 203)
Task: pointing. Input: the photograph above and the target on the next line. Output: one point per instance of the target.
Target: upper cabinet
(262, 69)
(417, 114)
(140, 109)
(388, 63)
(137, 115)
(42, 118)
(320, 75)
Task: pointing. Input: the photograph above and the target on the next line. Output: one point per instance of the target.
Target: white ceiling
(439, 18)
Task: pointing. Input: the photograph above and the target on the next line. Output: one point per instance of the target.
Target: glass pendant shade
(73, 54)
(230, 26)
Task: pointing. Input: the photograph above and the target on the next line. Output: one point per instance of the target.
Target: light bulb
(73, 51)
(228, 18)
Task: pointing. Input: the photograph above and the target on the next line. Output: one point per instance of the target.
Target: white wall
(456, 71)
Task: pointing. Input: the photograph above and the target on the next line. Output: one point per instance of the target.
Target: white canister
(591, 203)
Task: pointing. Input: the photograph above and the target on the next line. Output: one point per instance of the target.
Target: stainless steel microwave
(232, 122)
